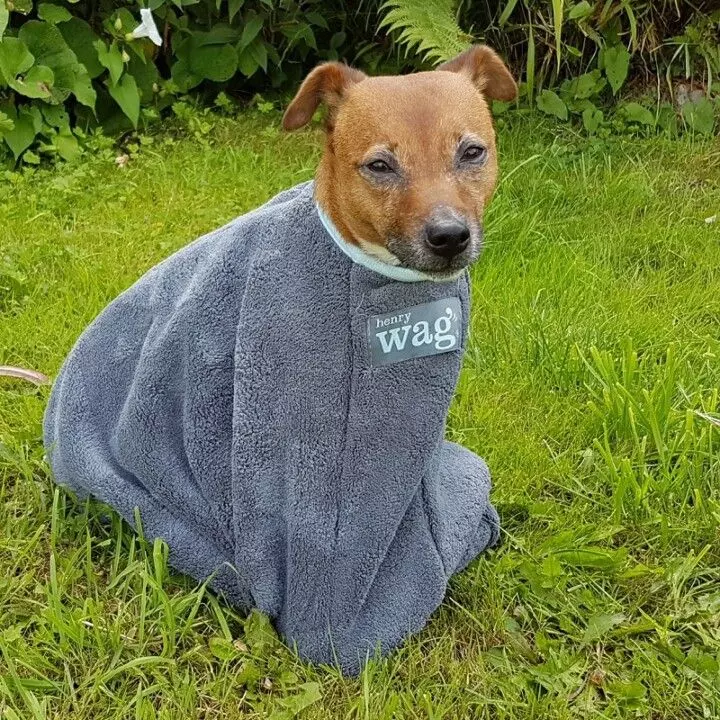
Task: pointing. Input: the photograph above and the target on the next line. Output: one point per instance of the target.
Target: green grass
(590, 386)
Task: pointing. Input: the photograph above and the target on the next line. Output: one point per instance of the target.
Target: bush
(68, 69)
(71, 67)
(576, 57)
(555, 39)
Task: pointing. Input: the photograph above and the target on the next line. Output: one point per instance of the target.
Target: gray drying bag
(276, 412)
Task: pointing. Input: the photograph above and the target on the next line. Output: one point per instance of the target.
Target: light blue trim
(357, 255)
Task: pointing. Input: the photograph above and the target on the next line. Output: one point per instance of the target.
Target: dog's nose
(447, 238)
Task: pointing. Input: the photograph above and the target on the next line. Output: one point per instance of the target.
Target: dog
(410, 162)
(272, 398)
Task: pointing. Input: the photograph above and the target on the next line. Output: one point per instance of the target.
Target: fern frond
(427, 27)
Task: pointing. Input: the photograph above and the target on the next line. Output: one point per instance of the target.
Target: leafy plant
(70, 70)
(65, 71)
(578, 56)
(429, 29)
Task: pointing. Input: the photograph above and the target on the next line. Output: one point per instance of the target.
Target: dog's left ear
(486, 70)
(327, 83)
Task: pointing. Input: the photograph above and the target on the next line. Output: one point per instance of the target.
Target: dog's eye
(379, 166)
(474, 153)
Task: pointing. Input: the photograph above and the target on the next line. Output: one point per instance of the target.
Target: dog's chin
(416, 256)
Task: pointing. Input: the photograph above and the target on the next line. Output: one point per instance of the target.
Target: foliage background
(72, 67)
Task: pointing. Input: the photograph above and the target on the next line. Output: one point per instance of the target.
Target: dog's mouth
(417, 255)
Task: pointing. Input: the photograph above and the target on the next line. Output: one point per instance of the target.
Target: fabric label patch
(414, 332)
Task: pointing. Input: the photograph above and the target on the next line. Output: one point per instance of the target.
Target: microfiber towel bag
(276, 412)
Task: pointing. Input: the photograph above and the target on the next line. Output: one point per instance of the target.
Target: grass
(590, 386)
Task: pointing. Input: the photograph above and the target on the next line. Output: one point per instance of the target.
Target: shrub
(576, 57)
(69, 67)
(555, 39)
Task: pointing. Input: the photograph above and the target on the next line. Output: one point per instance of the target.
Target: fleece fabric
(277, 414)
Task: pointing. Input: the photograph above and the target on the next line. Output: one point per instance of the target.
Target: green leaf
(214, 62)
(4, 17)
(315, 18)
(110, 58)
(220, 34)
(499, 107)
(557, 6)
(233, 8)
(128, 22)
(635, 112)
(273, 55)
(292, 705)
(530, 64)
(67, 145)
(551, 104)
(591, 557)
(247, 64)
(15, 58)
(258, 52)
(127, 96)
(250, 31)
(222, 649)
(337, 40)
(83, 89)
(249, 61)
(56, 116)
(507, 11)
(6, 123)
(628, 692)
(301, 32)
(617, 62)
(205, 55)
(259, 633)
(48, 46)
(307, 34)
(592, 119)
(36, 83)
(145, 74)
(250, 675)
(81, 39)
(702, 662)
(587, 85)
(600, 625)
(26, 78)
(46, 43)
(53, 14)
(667, 119)
(31, 158)
(24, 7)
(699, 116)
(580, 11)
(27, 123)
(429, 29)
(183, 77)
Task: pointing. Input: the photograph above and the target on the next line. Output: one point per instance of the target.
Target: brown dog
(410, 161)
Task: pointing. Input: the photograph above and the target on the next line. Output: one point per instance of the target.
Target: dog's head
(410, 161)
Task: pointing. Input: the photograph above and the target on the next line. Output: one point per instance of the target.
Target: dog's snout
(447, 238)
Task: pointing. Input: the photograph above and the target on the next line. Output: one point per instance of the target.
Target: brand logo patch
(414, 332)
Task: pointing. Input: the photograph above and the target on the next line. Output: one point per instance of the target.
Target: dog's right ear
(327, 83)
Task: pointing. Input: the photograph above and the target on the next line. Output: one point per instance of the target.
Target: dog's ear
(486, 70)
(327, 83)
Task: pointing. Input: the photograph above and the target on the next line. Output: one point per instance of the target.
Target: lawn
(590, 386)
